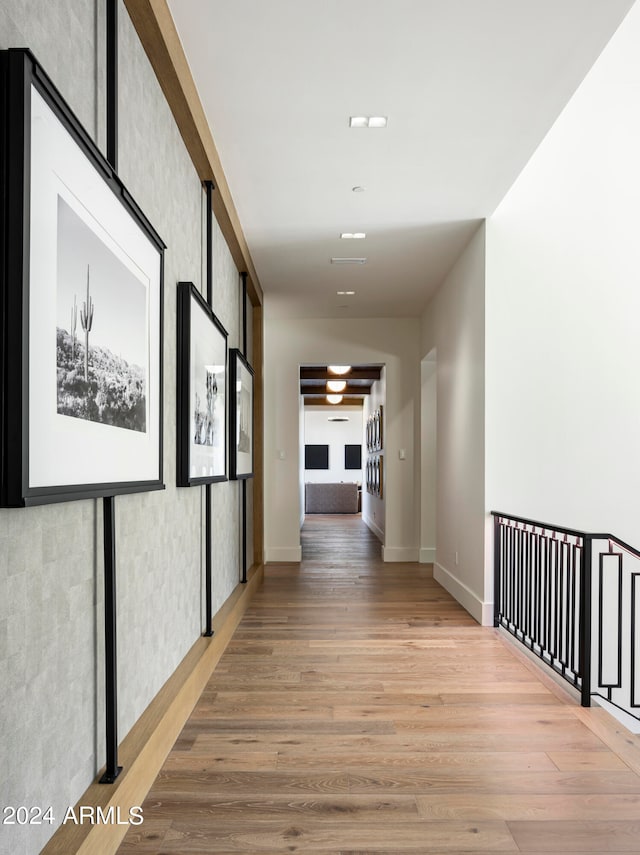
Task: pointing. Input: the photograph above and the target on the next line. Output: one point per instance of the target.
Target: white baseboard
(481, 611)
(280, 554)
(427, 554)
(374, 528)
(399, 553)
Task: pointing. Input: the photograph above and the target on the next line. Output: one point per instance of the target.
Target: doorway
(336, 460)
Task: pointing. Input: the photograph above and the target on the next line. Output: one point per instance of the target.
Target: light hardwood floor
(358, 709)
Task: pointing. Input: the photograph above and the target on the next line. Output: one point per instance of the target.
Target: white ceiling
(470, 88)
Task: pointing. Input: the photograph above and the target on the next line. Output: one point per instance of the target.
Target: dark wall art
(374, 430)
(316, 457)
(240, 416)
(81, 317)
(201, 391)
(353, 457)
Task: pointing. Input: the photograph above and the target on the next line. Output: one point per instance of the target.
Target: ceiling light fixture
(334, 399)
(336, 385)
(339, 369)
(346, 260)
(368, 121)
(353, 235)
(345, 293)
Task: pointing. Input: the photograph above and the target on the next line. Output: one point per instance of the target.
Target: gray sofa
(331, 498)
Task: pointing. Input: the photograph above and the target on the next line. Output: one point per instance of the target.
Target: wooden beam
(321, 389)
(359, 373)
(159, 37)
(258, 436)
(322, 402)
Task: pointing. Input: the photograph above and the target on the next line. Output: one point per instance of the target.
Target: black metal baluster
(208, 500)
(585, 623)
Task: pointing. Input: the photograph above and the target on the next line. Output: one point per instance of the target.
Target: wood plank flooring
(358, 710)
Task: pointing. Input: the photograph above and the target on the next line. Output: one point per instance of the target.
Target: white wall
(563, 313)
(318, 430)
(374, 507)
(453, 326)
(288, 344)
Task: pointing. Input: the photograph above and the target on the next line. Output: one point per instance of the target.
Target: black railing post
(243, 578)
(208, 509)
(496, 570)
(111, 669)
(585, 621)
(112, 83)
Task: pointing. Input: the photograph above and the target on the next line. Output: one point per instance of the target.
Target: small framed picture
(201, 391)
(240, 416)
(81, 290)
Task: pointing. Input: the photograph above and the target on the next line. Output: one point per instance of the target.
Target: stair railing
(573, 599)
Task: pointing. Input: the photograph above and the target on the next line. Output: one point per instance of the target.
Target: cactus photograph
(101, 329)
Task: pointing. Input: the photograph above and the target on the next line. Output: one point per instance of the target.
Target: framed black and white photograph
(240, 416)
(82, 292)
(201, 391)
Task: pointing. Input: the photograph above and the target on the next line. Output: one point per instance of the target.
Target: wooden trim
(157, 32)
(321, 389)
(358, 372)
(146, 746)
(322, 402)
(258, 448)
(159, 37)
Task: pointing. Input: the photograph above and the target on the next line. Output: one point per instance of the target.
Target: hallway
(359, 709)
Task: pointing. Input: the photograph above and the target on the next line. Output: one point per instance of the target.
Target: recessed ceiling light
(352, 260)
(353, 235)
(339, 369)
(334, 399)
(336, 385)
(367, 121)
(345, 293)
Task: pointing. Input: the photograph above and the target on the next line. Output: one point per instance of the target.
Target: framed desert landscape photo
(81, 287)
(201, 391)
(240, 416)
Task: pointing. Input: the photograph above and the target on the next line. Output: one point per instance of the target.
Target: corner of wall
(480, 610)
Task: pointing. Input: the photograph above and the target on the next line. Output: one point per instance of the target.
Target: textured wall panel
(51, 591)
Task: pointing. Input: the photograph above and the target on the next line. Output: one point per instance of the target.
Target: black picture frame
(353, 456)
(78, 419)
(201, 391)
(241, 430)
(380, 435)
(316, 457)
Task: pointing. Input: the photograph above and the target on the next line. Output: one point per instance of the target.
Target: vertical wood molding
(258, 450)
(159, 37)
